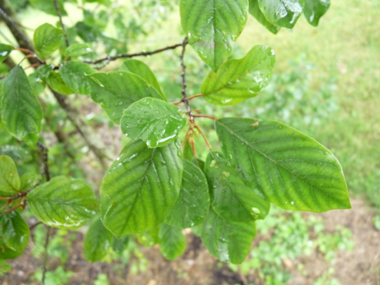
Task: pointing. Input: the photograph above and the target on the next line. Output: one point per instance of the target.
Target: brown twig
(205, 116)
(188, 99)
(204, 136)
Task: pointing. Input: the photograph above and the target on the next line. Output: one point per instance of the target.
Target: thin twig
(188, 99)
(61, 22)
(126, 55)
(204, 136)
(205, 116)
(44, 263)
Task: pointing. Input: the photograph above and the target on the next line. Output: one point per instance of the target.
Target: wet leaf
(255, 11)
(315, 9)
(116, 91)
(212, 27)
(231, 198)
(63, 202)
(77, 49)
(47, 39)
(282, 13)
(29, 180)
(227, 241)
(21, 113)
(154, 121)
(172, 242)
(149, 238)
(119, 245)
(9, 178)
(239, 79)
(56, 83)
(193, 202)
(285, 166)
(140, 187)
(36, 83)
(5, 51)
(97, 242)
(74, 74)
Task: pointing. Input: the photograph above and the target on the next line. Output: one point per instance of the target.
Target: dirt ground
(197, 266)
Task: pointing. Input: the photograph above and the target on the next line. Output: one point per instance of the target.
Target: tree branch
(61, 22)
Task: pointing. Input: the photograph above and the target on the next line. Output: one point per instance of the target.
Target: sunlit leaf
(285, 166)
(5, 51)
(77, 49)
(47, 39)
(283, 13)
(315, 9)
(255, 11)
(140, 187)
(154, 121)
(63, 202)
(212, 27)
(48, 7)
(150, 237)
(97, 242)
(74, 74)
(172, 241)
(9, 178)
(193, 202)
(227, 241)
(239, 79)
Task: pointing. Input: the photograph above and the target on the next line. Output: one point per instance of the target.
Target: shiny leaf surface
(152, 120)
(9, 178)
(140, 187)
(5, 51)
(255, 11)
(172, 241)
(63, 202)
(193, 202)
(47, 39)
(315, 9)
(231, 198)
(212, 27)
(21, 113)
(56, 83)
(74, 74)
(285, 166)
(239, 79)
(78, 49)
(97, 242)
(227, 241)
(149, 238)
(283, 13)
(29, 180)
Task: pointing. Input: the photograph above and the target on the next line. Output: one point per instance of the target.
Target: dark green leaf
(231, 198)
(119, 245)
(152, 120)
(16, 152)
(193, 203)
(88, 33)
(239, 79)
(141, 69)
(212, 27)
(48, 7)
(283, 13)
(74, 74)
(28, 180)
(255, 11)
(78, 49)
(115, 91)
(63, 202)
(14, 235)
(97, 242)
(9, 178)
(288, 168)
(5, 51)
(21, 114)
(56, 83)
(140, 187)
(228, 241)
(4, 267)
(47, 39)
(315, 9)
(172, 241)
(36, 83)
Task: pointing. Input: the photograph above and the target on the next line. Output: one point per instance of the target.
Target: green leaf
(56, 83)
(5, 51)
(74, 74)
(227, 241)
(212, 27)
(141, 69)
(9, 179)
(78, 49)
(283, 13)
(115, 91)
(288, 168)
(255, 11)
(149, 238)
(4, 267)
(172, 241)
(14, 235)
(97, 242)
(36, 83)
(140, 187)
(47, 39)
(29, 180)
(314, 10)
(239, 79)
(21, 114)
(119, 245)
(231, 198)
(48, 7)
(152, 120)
(193, 203)
(63, 202)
